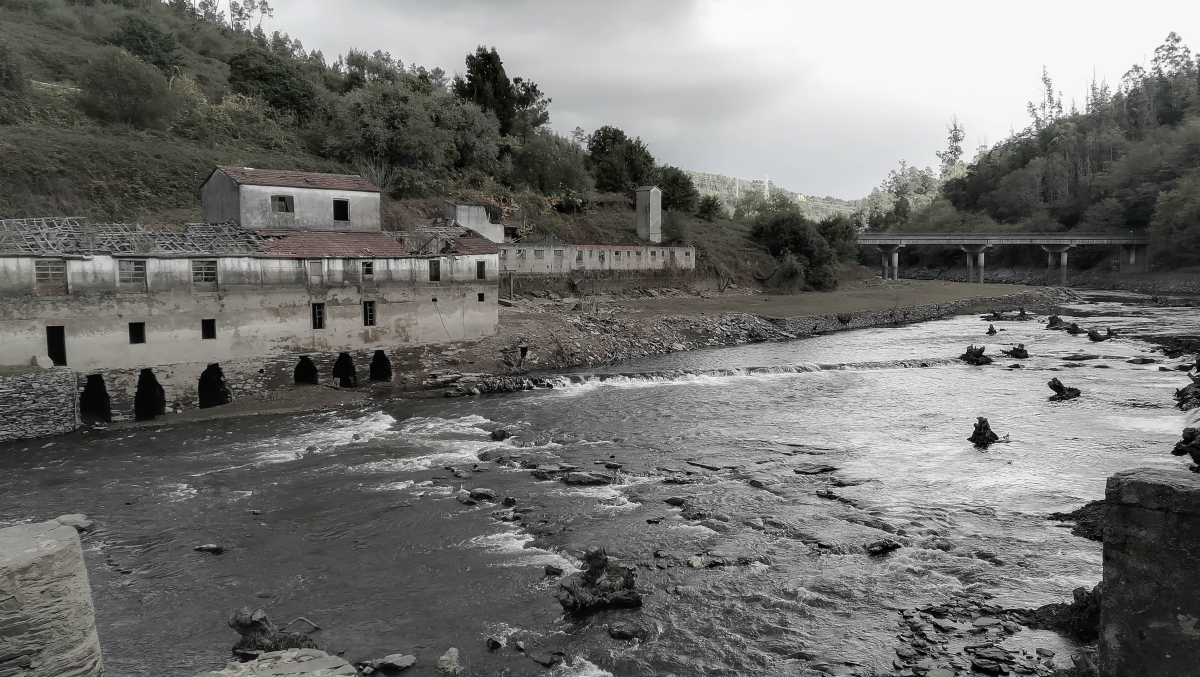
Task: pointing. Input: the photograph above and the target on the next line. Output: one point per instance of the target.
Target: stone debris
(305, 662)
(392, 663)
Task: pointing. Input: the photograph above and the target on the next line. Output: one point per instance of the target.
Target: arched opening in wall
(343, 370)
(150, 400)
(306, 372)
(381, 367)
(213, 391)
(94, 405)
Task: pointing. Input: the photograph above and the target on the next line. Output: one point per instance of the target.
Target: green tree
(275, 79)
(551, 165)
(952, 157)
(678, 191)
(487, 85)
(1176, 225)
(789, 233)
(710, 207)
(531, 111)
(143, 39)
(838, 231)
(119, 88)
(618, 163)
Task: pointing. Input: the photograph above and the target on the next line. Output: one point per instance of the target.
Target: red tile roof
(471, 242)
(316, 245)
(274, 177)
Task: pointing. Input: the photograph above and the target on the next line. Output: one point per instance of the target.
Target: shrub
(274, 79)
(784, 233)
(119, 88)
(551, 165)
(678, 192)
(710, 207)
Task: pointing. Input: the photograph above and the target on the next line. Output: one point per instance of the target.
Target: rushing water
(350, 519)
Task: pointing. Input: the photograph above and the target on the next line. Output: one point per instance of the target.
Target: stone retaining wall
(38, 404)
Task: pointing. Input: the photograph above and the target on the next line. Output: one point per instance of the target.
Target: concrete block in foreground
(1150, 617)
(47, 625)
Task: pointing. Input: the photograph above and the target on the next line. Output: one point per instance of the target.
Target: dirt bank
(1185, 281)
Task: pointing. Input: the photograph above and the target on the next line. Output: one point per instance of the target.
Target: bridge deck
(1000, 238)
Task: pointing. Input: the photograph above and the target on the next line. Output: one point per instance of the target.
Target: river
(350, 518)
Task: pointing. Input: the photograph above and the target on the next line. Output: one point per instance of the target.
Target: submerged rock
(448, 663)
(500, 434)
(1056, 322)
(601, 585)
(991, 330)
(1189, 446)
(1018, 352)
(881, 547)
(975, 357)
(983, 437)
(587, 478)
(211, 548)
(259, 635)
(1074, 329)
(1096, 336)
(1061, 392)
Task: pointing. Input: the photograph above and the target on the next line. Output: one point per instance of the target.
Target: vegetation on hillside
(1129, 160)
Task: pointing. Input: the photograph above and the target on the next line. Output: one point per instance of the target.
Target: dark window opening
(213, 391)
(435, 271)
(208, 329)
(137, 332)
(481, 270)
(318, 316)
(381, 367)
(368, 313)
(94, 404)
(524, 351)
(343, 370)
(149, 400)
(579, 257)
(435, 299)
(481, 297)
(305, 372)
(131, 273)
(56, 345)
(204, 272)
(51, 277)
(368, 270)
(283, 205)
(341, 210)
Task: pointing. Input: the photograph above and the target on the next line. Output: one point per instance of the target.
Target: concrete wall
(474, 217)
(36, 404)
(222, 199)
(219, 199)
(262, 307)
(47, 622)
(1150, 610)
(559, 258)
(649, 214)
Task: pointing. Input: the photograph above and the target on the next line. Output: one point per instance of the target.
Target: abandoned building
(151, 320)
(551, 256)
(265, 199)
(498, 224)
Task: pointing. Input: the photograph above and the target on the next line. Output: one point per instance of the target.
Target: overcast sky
(823, 97)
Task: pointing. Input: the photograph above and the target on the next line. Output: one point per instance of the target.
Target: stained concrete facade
(291, 206)
(475, 217)
(649, 213)
(551, 257)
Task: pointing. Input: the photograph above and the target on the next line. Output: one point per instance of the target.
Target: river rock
(991, 330)
(494, 643)
(1056, 322)
(587, 478)
(975, 357)
(1189, 445)
(1074, 329)
(1080, 618)
(1061, 392)
(1080, 357)
(881, 547)
(211, 548)
(601, 585)
(552, 570)
(1089, 520)
(675, 501)
(1094, 335)
(500, 434)
(292, 663)
(260, 636)
(1018, 352)
(814, 469)
(626, 630)
(1142, 360)
(983, 437)
(448, 663)
(483, 494)
(1188, 397)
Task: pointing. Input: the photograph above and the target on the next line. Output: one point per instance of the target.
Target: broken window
(318, 316)
(56, 345)
(131, 273)
(539, 254)
(204, 272)
(653, 253)
(368, 270)
(481, 297)
(504, 253)
(283, 205)
(579, 256)
(208, 329)
(137, 332)
(341, 210)
(435, 270)
(520, 253)
(51, 276)
(481, 270)
(617, 253)
(368, 313)
(638, 253)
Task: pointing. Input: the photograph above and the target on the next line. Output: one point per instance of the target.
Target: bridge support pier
(889, 256)
(1061, 250)
(975, 252)
(1135, 258)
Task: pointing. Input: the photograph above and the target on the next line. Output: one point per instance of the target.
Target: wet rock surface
(1089, 520)
(1079, 618)
(260, 636)
(1062, 393)
(602, 585)
(308, 662)
(1189, 445)
(974, 356)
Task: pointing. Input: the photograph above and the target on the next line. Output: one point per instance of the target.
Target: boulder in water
(983, 437)
(1189, 446)
(991, 330)
(1056, 322)
(500, 434)
(975, 357)
(1089, 520)
(1074, 329)
(1188, 397)
(1061, 392)
(1018, 352)
(448, 663)
(1079, 619)
(259, 635)
(601, 585)
(1096, 336)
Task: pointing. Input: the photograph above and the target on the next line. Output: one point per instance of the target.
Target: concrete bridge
(1134, 248)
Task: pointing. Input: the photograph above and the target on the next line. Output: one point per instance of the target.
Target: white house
(268, 199)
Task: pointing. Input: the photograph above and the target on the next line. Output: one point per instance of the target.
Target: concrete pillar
(47, 624)
(1051, 250)
(883, 257)
(974, 252)
(888, 253)
(981, 266)
(896, 265)
(1150, 609)
(1062, 269)
(970, 267)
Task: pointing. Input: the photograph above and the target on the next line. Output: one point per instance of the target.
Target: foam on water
(323, 440)
(580, 668)
(513, 545)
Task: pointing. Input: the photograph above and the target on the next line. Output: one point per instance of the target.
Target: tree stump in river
(1094, 335)
(983, 437)
(1056, 322)
(1188, 397)
(1074, 329)
(975, 357)
(1018, 352)
(1061, 392)
(991, 330)
(1189, 446)
(602, 585)
(259, 635)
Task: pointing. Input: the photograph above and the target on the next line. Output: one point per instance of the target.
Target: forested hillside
(1129, 159)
